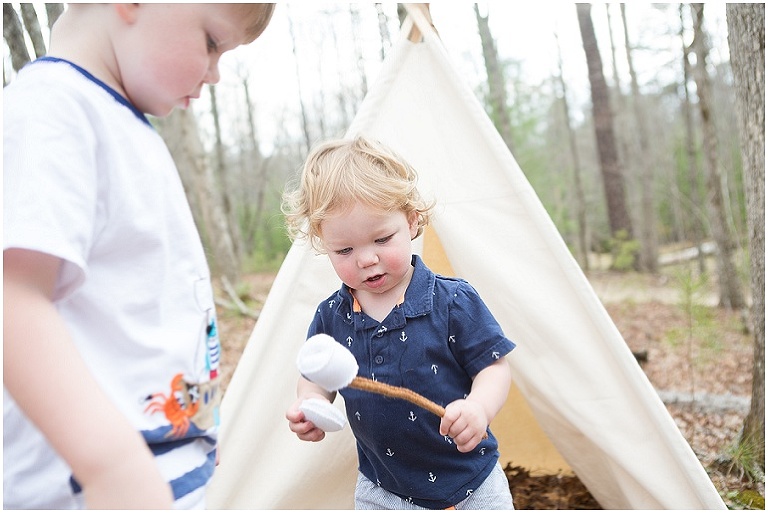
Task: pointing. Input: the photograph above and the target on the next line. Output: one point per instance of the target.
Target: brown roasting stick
(368, 385)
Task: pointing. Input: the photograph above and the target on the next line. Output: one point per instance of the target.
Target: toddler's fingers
(309, 433)
(448, 422)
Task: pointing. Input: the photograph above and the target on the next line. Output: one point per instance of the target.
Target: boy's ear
(126, 12)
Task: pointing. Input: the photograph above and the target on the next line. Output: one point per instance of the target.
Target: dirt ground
(696, 351)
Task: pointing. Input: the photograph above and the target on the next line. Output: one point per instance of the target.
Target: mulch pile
(547, 491)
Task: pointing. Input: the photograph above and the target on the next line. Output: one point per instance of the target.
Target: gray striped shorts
(492, 494)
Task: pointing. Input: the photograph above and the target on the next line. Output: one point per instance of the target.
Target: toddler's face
(370, 250)
(171, 50)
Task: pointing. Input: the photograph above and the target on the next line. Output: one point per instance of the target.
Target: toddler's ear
(126, 12)
(413, 224)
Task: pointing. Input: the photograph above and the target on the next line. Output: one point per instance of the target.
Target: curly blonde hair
(339, 173)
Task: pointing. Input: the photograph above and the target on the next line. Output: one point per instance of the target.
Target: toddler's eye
(345, 251)
(383, 240)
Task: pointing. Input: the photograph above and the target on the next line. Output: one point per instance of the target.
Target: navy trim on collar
(117, 96)
(419, 295)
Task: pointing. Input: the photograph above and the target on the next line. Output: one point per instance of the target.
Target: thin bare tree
(648, 238)
(497, 91)
(304, 120)
(354, 15)
(386, 40)
(13, 33)
(31, 23)
(180, 132)
(697, 218)
(731, 295)
(257, 167)
(618, 98)
(581, 207)
(613, 178)
(220, 174)
(746, 39)
(53, 11)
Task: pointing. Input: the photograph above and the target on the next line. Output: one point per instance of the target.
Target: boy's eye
(384, 240)
(345, 251)
(212, 46)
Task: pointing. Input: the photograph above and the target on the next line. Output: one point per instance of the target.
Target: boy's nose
(212, 75)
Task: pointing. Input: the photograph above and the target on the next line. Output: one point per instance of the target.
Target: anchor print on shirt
(432, 477)
(403, 336)
(349, 341)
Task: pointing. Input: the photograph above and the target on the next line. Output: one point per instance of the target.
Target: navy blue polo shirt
(433, 343)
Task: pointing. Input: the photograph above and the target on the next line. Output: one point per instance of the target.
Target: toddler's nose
(367, 259)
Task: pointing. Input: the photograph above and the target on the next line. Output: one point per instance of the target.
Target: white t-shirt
(87, 178)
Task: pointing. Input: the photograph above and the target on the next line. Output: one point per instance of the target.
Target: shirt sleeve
(477, 338)
(50, 179)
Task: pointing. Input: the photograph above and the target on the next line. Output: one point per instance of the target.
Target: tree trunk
(14, 37)
(581, 208)
(304, 121)
(648, 243)
(221, 183)
(31, 23)
(53, 11)
(613, 180)
(497, 93)
(355, 22)
(179, 130)
(258, 166)
(386, 41)
(746, 40)
(617, 96)
(730, 290)
(697, 218)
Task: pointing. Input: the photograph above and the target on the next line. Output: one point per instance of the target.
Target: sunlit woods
(305, 78)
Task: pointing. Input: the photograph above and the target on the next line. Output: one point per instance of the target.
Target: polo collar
(417, 301)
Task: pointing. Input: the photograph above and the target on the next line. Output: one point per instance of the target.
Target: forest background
(624, 118)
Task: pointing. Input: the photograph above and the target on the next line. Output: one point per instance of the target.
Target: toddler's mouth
(374, 278)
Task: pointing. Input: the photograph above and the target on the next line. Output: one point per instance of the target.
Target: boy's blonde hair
(258, 16)
(339, 173)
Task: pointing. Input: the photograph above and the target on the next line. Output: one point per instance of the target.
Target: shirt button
(379, 359)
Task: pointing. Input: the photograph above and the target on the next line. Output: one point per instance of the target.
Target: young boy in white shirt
(110, 356)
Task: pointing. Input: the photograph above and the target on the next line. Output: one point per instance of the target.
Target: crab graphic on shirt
(177, 406)
(186, 404)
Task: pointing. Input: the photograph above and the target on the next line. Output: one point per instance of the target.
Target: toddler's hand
(303, 428)
(465, 421)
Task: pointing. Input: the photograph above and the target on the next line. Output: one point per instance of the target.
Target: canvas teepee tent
(580, 400)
